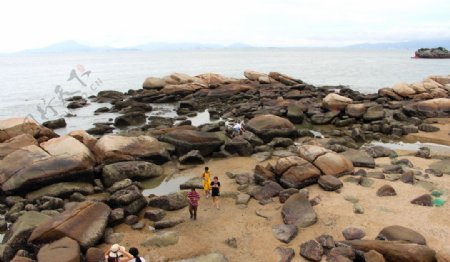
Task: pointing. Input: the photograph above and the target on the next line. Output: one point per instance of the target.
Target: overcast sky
(32, 24)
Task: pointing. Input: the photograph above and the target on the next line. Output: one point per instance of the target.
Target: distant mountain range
(73, 46)
(405, 45)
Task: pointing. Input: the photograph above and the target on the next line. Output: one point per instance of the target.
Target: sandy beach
(254, 234)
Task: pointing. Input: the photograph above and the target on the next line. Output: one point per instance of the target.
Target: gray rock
(131, 169)
(242, 199)
(161, 239)
(212, 257)
(352, 233)
(285, 254)
(63, 189)
(396, 232)
(193, 157)
(195, 182)
(311, 250)
(231, 242)
(329, 183)
(285, 233)
(154, 214)
(168, 223)
(386, 190)
(297, 210)
(169, 202)
(359, 158)
(423, 200)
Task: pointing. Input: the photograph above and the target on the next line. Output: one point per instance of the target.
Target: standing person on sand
(135, 253)
(215, 185)
(206, 181)
(117, 254)
(193, 198)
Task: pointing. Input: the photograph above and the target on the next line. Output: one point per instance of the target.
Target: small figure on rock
(193, 198)
(215, 185)
(238, 129)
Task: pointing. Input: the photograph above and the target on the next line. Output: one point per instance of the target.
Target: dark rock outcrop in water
(438, 52)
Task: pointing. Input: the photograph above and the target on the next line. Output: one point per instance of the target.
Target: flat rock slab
(297, 210)
(62, 189)
(84, 223)
(115, 148)
(394, 250)
(285, 233)
(161, 239)
(397, 232)
(213, 257)
(64, 249)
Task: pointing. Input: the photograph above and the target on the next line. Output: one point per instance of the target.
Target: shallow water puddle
(163, 185)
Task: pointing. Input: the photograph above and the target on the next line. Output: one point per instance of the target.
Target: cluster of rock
(438, 52)
(393, 112)
(61, 194)
(393, 243)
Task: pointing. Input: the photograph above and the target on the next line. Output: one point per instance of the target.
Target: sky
(34, 24)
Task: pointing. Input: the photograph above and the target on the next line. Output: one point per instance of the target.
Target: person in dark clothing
(215, 186)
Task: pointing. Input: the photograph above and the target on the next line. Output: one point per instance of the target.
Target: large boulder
(115, 148)
(355, 110)
(300, 175)
(268, 127)
(12, 127)
(394, 250)
(17, 235)
(284, 163)
(15, 143)
(129, 198)
(240, 146)
(131, 169)
(169, 202)
(334, 164)
(58, 159)
(85, 138)
(401, 233)
(403, 89)
(334, 101)
(153, 83)
(130, 119)
(297, 210)
(84, 223)
(438, 107)
(312, 152)
(188, 140)
(267, 191)
(374, 113)
(442, 166)
(359, 158)
(62, 250)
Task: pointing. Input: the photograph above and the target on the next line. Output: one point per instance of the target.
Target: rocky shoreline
(73, 190)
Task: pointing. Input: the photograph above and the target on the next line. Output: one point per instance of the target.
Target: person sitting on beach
(117, 253)
(135, 253)
(215, 191)
(206, 181)
(193, 198)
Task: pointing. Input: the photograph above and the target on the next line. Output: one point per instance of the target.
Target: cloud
(30, 24)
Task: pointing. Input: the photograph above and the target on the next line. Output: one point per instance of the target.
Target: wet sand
(254, 234)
